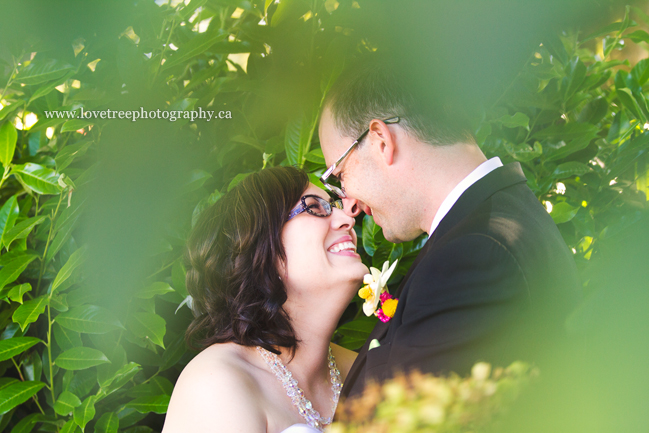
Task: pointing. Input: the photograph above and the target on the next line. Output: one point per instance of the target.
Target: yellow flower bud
(365, 292)
(390, 307)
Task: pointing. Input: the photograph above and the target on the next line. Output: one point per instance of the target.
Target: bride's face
(321, 258)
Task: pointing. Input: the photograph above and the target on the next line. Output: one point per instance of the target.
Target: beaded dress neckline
(303, 405)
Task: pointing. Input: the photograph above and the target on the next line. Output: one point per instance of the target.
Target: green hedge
(576, 117)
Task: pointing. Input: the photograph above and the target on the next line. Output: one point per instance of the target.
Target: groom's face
(359, 173)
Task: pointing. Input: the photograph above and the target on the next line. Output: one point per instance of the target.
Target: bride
(272, 267)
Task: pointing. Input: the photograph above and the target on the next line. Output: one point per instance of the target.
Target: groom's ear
(384, 140)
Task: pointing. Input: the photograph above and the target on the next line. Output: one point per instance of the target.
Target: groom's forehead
(331, 140)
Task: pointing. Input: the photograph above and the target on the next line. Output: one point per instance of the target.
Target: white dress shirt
(481, 171)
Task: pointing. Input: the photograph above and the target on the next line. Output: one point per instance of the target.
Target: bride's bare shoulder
(214, 390)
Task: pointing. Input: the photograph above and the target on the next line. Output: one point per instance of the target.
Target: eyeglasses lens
(317, 206)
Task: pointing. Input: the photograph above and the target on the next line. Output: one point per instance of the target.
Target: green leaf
(17, 292)
(594, 111)
(575, 75)
(178, 276)
(149, 326)
(360, 328)
(26, 424)
(29, 311)
(75, 260)
(196, 46)
(121, 376)
(59, 303)
(33, 366)
(21, 230)
(370, 229)
(65, 338)
(8, 215)
(563, 212)
(6, 381)
(615, 27)
(627, 99)
(566, 149)
(85, 412)
(108, 423)
(70, 427)
(315, 156)
(173, 353)
(567, 131)
(11, 108)
(66, 403)
(289, 11)
(355, 333)
(17, 393)
(483, 132)
(524, 152)
(517, 120)
(156, 386)
(250, 141)
(64, 231)
(75, 124)
(204, 204)
(238, 178)
(12, 269)
(71, 152)
(638, 36)
(39, 72)
(46, 89)
(640, 14)
(157, 404)
(158, 288)
(8, 139)
(197, 179)
(569, 169)
(15, 346)
(89, 319)
(39, 179)
(297, 139)
(80, 358)
(267, 3)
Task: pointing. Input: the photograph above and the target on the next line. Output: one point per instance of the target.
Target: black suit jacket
(493, 283)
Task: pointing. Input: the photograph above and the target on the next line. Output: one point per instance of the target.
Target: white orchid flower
(375, 284)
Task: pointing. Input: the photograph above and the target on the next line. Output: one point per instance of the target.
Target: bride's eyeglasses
(315, 205)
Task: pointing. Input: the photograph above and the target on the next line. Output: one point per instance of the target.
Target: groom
(495, 280)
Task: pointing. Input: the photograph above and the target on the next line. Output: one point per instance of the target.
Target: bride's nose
(341, 220)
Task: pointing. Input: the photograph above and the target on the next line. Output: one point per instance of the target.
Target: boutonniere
(375, 291)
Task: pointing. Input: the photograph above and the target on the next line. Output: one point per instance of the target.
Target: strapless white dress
(301, 428)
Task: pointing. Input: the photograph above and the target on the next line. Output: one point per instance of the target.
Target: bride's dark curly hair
(231, 258)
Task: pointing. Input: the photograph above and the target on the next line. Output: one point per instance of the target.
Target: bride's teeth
(343, 246)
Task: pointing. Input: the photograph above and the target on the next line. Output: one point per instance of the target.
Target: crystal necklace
(296, 394)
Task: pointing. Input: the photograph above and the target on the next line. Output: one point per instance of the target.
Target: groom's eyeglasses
(315, 205)
(334, 184)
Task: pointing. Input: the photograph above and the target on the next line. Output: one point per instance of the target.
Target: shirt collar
(481, 171)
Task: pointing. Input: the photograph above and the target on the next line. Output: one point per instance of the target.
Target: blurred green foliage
(95, 211)
(421, 402)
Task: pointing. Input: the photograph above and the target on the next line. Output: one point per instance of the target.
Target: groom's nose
(352, 207)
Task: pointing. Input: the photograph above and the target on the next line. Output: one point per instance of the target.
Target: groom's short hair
(373, 90)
